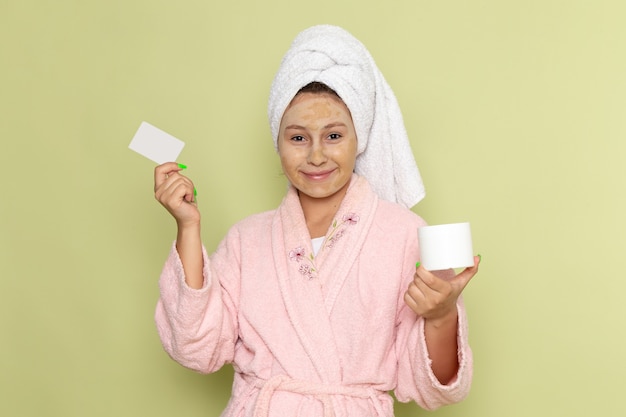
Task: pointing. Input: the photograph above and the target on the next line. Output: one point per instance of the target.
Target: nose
(317, 153)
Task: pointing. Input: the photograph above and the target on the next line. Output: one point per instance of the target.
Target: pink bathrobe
(325, 335)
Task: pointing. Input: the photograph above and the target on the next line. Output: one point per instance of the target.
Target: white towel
(330, 55)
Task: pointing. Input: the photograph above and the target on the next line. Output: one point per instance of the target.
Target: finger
(464, 277)
(430, 280)
(415, 292)
(422, 297)
(425, 290)
(174, 190)
(173, 179)
(169, 183)
(162, 172)
(421, 303)
(190, 194)
(408, 300)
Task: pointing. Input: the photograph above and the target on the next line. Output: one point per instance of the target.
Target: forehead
(316, 105)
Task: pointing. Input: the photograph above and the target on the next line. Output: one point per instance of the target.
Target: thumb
(464, 277)
(162, 171)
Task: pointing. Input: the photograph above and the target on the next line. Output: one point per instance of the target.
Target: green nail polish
(195, 193)
(480, 258)
(182, 166)
(417, 265)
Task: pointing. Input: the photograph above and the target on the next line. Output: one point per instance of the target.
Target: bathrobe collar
(310, 285)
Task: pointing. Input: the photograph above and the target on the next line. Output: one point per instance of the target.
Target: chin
(322, 193)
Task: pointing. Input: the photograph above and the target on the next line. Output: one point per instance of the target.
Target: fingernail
(195, 193)
(182, 166)
(417, 265)
(480, 258)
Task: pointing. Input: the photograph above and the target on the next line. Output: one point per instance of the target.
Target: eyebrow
(336, 124)
(328, 126)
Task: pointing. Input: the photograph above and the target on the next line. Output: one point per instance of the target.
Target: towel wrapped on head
(330, 55)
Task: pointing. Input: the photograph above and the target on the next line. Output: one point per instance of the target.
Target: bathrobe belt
(319, 391)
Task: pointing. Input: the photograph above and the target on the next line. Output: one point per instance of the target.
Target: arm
(435, 300)
(195, 315)
(176, 193)
(441, 342)
(435, 360)
(189, 247)
(416, 377)
(198, 327)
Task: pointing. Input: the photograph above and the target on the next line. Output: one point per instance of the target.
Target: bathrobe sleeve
(198, 327)
(416, 380)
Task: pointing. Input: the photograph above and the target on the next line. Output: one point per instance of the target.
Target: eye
(297, 138)
(334, 136)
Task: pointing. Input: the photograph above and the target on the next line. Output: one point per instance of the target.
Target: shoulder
(255, 223)
(397, 215)
(387, 211)
(248, 231)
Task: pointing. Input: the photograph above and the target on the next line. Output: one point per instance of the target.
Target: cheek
(286, 163)
(349, 156)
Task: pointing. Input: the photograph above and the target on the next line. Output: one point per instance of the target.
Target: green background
(516, 114)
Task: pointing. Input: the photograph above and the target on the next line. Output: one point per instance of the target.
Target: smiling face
(317, 145)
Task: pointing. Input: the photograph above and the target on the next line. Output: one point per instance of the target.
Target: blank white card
(155, 144)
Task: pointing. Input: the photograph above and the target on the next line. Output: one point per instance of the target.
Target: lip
(318, 176)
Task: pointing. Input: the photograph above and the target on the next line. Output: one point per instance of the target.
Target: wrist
(447, 319)
(188, 225)
(188, 231)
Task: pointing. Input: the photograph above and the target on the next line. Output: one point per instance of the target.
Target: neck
(320, 212)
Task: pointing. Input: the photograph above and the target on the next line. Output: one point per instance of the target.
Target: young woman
(319, 304)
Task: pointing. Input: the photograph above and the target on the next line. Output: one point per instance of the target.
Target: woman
(318, 304)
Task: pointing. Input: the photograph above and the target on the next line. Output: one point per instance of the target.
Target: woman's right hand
(176, 193)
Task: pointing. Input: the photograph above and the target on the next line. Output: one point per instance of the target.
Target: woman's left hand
(435, 298)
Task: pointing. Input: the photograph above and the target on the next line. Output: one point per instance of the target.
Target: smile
(318, 176)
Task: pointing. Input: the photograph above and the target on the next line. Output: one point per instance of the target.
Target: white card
(155, 144)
